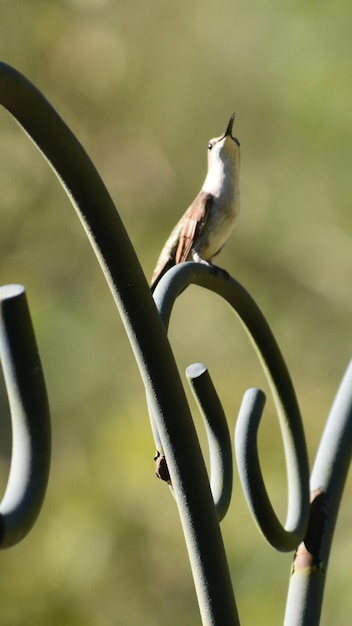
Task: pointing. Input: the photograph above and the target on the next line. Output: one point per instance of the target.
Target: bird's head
(226, 147)
(223, 156)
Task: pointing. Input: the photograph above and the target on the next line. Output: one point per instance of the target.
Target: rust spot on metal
(161, 469)
(308, 552)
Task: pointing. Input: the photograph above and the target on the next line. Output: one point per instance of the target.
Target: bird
(206, 225)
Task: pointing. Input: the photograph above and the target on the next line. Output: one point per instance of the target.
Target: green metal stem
(305, 596)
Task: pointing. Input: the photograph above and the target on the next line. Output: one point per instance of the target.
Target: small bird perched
(204, 228)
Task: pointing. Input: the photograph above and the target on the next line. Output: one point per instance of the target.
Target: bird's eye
(210, 145)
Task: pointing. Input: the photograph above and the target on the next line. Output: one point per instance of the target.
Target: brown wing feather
(183, 236)
(167, 256)
(193, 224)
(159, 273)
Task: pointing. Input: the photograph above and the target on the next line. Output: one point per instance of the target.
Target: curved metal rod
(171, 285)
(246, 439)
(221, 470)
(30, 419)
(327, 483)
(147, 336)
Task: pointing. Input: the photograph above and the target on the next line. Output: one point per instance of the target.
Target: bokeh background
(145, 85)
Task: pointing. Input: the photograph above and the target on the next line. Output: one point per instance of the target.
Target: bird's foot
(198, 259)
(214, 268)
(219, 271)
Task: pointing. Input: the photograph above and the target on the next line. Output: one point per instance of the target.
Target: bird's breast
(219, 225)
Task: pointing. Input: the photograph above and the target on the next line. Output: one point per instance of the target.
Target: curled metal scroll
(31, 442)
(281, 537)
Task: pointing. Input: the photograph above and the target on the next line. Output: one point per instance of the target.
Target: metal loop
(286, 537)
(246, 432)
(30, 419)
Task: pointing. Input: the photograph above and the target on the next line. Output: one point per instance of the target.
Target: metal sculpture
(310, 524)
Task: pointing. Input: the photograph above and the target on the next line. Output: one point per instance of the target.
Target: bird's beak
(228, 131)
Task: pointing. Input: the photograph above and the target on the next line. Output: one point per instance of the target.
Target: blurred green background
(144, 86)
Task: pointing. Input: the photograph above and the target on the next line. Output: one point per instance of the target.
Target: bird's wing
(193, 223)
(183, 236)
(167, 257)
